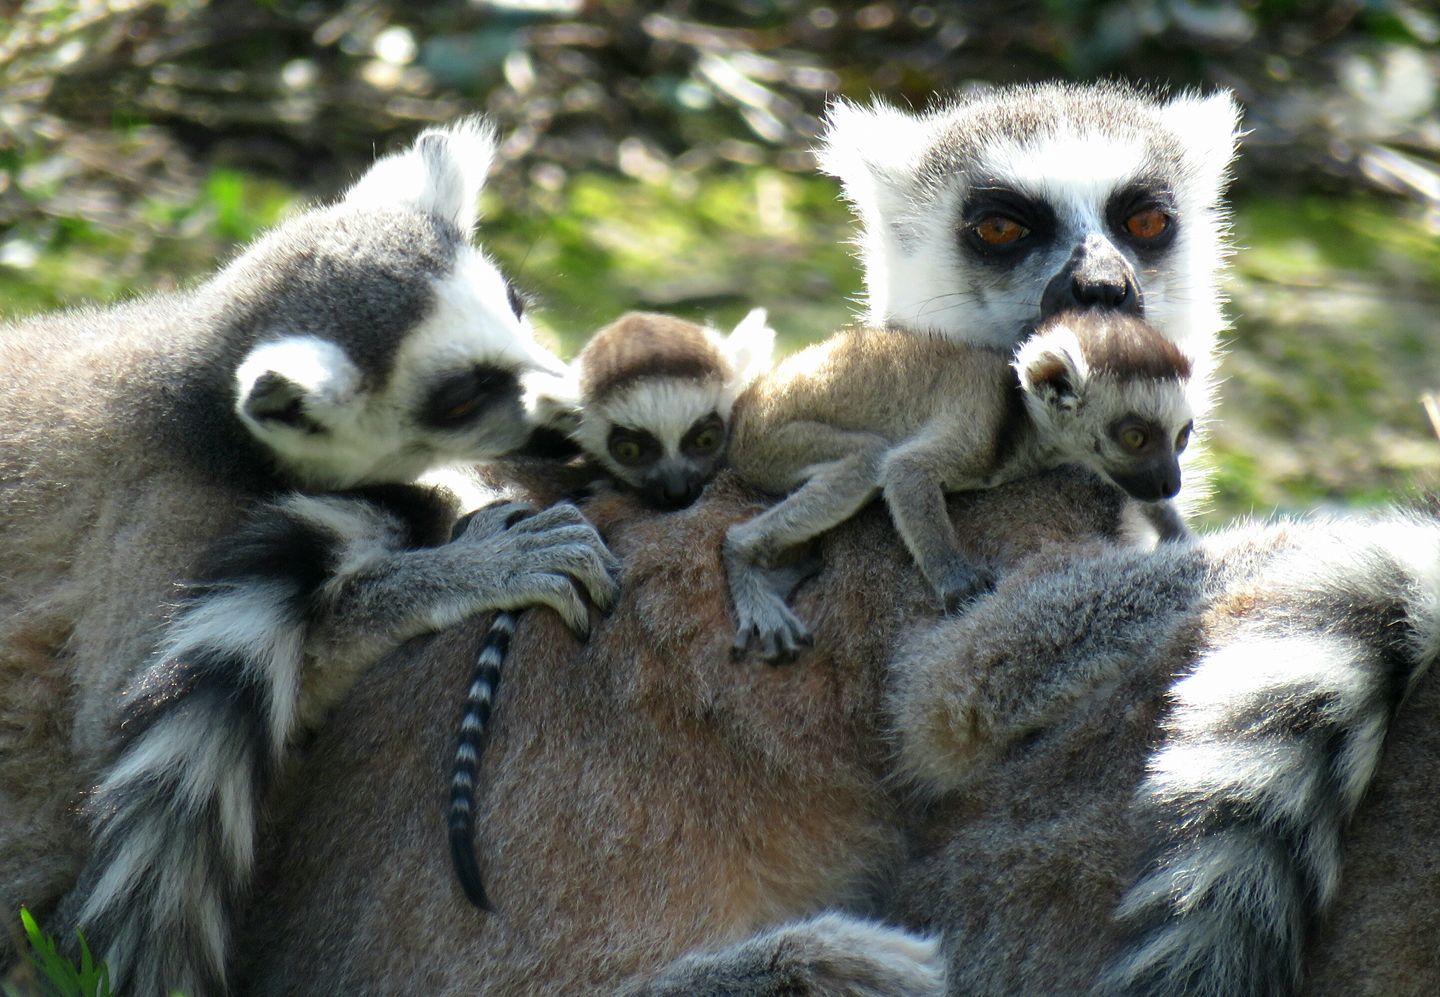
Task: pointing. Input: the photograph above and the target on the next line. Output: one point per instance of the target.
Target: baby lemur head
(1109, 391)
(369, 340)
(654, 398)
(997, 208)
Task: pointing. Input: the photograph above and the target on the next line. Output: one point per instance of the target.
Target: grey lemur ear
(1052, 367)
(441, 173)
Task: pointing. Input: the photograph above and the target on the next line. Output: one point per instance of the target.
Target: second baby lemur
(913, 417)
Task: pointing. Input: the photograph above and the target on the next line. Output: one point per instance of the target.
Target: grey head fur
(1069, 166)
(367, 341)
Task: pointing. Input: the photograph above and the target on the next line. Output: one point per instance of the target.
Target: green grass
(56, 975)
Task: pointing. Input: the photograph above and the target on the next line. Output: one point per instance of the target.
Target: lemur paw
(961, 583)
(768, 625)
(548, 558)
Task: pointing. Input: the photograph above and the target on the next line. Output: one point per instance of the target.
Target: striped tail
(203, 727)
(201, 730)
(1273, 740)
(484, 682)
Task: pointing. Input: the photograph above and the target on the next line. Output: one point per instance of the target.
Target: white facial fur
(664, 406)
(355, 431)
(908, 175)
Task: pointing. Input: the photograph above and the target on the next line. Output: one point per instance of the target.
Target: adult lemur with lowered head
(253, 439)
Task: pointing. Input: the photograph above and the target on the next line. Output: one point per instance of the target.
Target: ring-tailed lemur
(911, 417)
(251, 437)
(649, 400)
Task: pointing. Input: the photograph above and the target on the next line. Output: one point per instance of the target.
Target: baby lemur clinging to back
(649, 400)
(876, 411)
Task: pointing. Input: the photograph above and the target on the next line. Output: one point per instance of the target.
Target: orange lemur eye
(1147, 223)
(997, 230)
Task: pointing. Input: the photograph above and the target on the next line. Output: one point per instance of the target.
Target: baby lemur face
(994, 211)
(652, 400)
(383, 342)
(1110, 392)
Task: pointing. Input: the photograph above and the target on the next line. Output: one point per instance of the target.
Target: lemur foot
(767, 624)
(961, 582)
(550, 557)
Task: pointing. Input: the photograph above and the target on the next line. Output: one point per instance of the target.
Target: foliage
(58, 975)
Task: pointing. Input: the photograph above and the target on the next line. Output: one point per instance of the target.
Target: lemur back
(648, 399)
(209, 531)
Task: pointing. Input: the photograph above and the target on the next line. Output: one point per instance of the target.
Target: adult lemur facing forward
(251, 438)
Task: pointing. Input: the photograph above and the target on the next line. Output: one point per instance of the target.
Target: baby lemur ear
(1052, 368)
(1208, 129)
(293, 382)
(873, 151)
(441, 173)
(750, 347)
(552, 400)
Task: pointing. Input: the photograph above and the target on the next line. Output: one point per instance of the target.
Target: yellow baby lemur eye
(1147, 223)
(626, 450)
(1134, 438)
(708, 440)
(997, 230)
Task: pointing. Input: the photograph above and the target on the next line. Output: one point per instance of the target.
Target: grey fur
(1293, 643)
(194, 437)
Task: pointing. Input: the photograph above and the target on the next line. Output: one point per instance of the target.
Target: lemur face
(1107, 390)
(984, 217)
(666, 438)
(384, 343)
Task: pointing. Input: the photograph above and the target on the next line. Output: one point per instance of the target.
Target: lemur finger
(488, 520)
(561, 595)
(584, 564)
(559, 515)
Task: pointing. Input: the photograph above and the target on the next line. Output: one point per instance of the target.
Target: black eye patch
(462, 397)
(705, 436)
(985, 203)
(633, 447)
(1138, 198)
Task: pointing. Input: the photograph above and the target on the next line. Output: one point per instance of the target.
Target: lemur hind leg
(842, 479)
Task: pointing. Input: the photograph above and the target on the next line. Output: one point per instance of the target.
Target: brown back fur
(640, 797)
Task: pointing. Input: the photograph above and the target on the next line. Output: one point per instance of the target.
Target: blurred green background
(657, 157)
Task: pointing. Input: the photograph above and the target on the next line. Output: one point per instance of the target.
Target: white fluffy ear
(750, 347)
(440, 174)
(295, 381)
(1209, 128)
(553, 400)
(1052, 368)
(873, 152)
